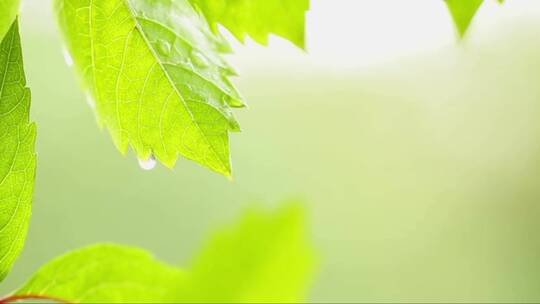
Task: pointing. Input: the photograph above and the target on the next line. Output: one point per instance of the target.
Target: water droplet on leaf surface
(163, 47)
(199, 59)
(148, 164)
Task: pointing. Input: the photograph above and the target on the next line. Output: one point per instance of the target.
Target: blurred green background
(421, 174)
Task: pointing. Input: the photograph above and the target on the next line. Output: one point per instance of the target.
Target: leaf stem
(17, 298)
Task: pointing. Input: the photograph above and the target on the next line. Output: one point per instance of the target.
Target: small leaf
(158, 77)
(265, 257)
(463, 12)
(8, 13)
(258, 18)
(17, 156)
(106, 273)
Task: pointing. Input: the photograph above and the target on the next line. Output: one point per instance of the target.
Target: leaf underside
(158, 77)
(17, 156)
(258, 18)
(263, 258)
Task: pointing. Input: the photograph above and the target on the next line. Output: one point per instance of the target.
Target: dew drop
(199, 59)
(67, 57)
(163, 47)
(225, 99)
(148, 164)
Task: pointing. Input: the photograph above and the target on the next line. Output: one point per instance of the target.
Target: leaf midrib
(193, 47)
(156, 57)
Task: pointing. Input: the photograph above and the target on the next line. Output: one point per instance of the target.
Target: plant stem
(17, 298)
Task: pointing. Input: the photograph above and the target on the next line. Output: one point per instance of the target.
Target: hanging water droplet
(148, 164)
(163, 47)
(90, 101)
(199, 59)
(67, 57)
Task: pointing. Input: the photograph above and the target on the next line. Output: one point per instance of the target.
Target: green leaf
(263, 258)
(463, 12)
(17, 156)
(155, 69)
(258, 18)
(8, 13)
(106, 273)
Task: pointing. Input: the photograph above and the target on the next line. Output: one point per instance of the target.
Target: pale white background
(352, 33)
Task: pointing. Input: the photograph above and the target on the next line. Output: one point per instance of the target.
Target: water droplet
(148, 164)
(67, 57)
(163, 47)
(90, 101)
(225, 99)
(199, 59)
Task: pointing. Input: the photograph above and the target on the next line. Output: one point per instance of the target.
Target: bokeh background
(418, 157)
